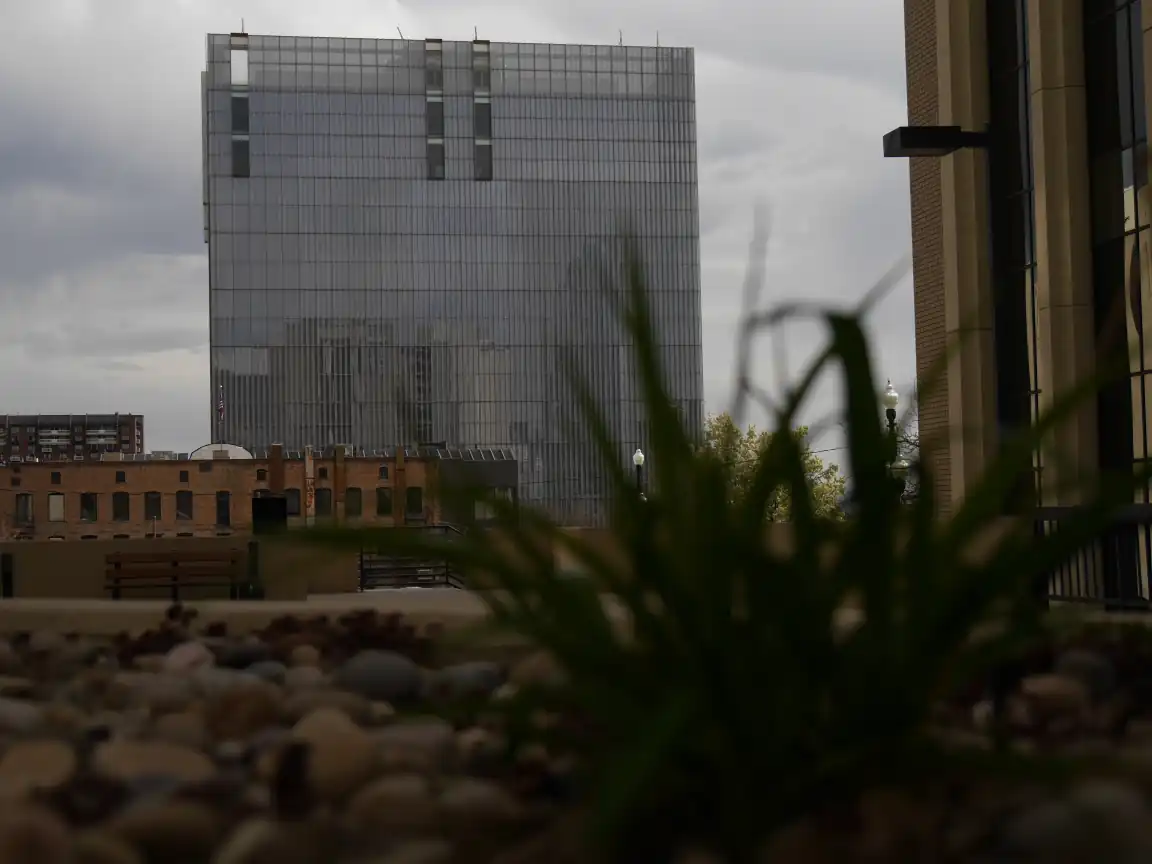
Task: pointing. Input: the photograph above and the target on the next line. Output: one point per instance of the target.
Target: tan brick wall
(927, 246)
(238, 477)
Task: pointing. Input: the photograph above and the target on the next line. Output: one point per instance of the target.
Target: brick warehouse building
(31, 437)
(1030, 239)
(208, 493)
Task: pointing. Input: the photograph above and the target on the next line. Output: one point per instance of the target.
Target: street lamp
(1010, 314)
(638, 461)
(898, 468)
(890, 399)
(905, 142)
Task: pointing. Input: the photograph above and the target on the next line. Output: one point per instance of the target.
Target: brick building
(68, 437)
(209, 492)
(1031, 241)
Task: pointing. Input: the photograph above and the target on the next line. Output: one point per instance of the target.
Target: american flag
(220, 405)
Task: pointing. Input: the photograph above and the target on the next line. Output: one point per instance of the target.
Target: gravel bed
(326, 740)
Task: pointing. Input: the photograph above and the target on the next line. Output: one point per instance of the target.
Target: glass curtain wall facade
(409, 241)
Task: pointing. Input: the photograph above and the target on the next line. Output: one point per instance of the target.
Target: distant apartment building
(68, 437)
(209, 492)
(408, 241)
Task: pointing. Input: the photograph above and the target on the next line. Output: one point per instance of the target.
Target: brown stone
(186, 728)
(342, 756)
(298, 705)
(304, 655)
(240, 712)
(32, 765)
(424, 745)
(172, 831)
(33, 835)
(100, 847)
(1051, 696)
(400, 802)
(128, 760)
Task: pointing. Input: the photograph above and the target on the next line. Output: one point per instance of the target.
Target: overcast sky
(103, 269)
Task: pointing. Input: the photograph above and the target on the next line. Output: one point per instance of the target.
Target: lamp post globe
(891, 398)
(638, 461)
(638, 458)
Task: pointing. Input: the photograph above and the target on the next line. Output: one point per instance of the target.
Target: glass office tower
(409, 243)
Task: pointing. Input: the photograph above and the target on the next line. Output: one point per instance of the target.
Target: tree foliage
(741, 451)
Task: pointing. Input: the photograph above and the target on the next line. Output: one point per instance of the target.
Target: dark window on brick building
(120, 477)
(89, 506)
(223, 508)
(55, 478)
(184, 504)
(121, 506)
(153, 505)
(292, 501)
(384, 501)
(183, 476)
(353, 502)
(323, 502)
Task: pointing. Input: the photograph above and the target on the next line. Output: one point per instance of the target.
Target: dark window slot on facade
(435, 160)
(483, 161)
(353, 502)
(121, 507)
(482, 115)
(184, 504)
(239, 114)
(241, 163)
(383, 501)
(435, 115)
(224, 509)
(1012, 222)
(324, 502)
(433, 79)
(1117, 142)
(153, 505)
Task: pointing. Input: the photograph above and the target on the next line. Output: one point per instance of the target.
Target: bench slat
(178, 558)
(170, 575)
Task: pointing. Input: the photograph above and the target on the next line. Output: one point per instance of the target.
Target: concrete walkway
(451, 607)
(106, 617)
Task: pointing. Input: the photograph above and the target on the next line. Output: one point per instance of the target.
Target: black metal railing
(382, 570)
(1113, 571)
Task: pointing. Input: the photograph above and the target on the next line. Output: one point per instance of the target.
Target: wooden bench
(174, 570)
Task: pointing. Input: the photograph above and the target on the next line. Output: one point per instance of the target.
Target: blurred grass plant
(732, 703)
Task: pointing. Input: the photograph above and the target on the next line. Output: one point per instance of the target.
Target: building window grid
(627, 138)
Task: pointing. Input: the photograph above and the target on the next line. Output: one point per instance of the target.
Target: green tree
(740, 450)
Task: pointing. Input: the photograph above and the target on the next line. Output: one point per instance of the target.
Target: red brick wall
(927, 246)
(241, 478)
